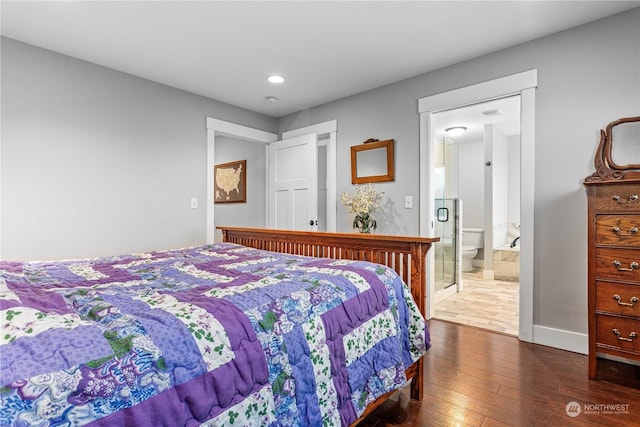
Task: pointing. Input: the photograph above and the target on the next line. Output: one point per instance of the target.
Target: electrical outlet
(408, 202)
(194, 203)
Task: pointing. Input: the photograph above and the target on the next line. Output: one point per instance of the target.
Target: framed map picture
(230, 182)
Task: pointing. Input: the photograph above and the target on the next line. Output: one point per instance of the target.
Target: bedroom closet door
(293, 183)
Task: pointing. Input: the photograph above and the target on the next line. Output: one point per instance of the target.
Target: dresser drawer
(618, 198)
(618, 264)
(620, 332)
(618, 298)
(620, 230)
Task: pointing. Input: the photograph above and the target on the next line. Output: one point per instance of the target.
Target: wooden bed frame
(405, 255)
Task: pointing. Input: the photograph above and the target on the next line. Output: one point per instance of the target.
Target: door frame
(523, 84)
(216, 127)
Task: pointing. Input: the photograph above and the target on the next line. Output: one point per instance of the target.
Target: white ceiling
(506, 119)
(326, 49)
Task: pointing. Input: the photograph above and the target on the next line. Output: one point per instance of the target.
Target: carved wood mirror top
(372, 161)
(618, 155)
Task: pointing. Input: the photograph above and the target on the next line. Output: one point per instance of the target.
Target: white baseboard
(558, 338)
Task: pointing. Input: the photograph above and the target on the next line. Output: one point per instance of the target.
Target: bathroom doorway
(477, 166)
(524, 84)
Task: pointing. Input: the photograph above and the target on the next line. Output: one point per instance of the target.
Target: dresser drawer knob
(633, 266)
(632, 300)
(632, 199)
(631, 232)
(632, 335)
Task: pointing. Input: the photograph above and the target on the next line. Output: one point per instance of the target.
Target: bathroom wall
(471, 182)
(452, 171)
(469, 166)
(446, 182)
(514, 180)
(499, 170)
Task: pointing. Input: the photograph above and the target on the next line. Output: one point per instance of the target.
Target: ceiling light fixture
(275, 79)
(271, 99)
(455, 131)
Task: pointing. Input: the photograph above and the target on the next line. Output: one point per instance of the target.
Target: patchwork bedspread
(212, 335)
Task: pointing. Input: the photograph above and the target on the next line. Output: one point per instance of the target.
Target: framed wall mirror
(372, 161)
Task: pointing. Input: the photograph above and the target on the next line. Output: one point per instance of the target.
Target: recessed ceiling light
(275, 79)
(271, 99)
(456, 130)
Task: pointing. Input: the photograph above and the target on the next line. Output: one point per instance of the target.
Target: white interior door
(293, 183)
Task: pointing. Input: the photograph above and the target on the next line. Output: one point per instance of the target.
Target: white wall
(98, 162)
(471, 182)
(587, 77)
(514, 180)
(451, 170)
(500, 170)
(253, 212)
(505, 168)
(446, 165)
(322, 187)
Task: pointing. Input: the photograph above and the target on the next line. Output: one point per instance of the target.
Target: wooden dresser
(613, 193)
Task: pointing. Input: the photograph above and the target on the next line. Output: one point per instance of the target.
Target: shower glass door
(445, 249)
(446, 216)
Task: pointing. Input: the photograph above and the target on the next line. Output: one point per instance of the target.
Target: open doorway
(477, 184)
(326, 132)
(222, 129)
(523, 84)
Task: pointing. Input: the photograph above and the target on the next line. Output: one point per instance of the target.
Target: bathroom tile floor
(486, 304)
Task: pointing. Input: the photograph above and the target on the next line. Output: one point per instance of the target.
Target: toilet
(472, 240)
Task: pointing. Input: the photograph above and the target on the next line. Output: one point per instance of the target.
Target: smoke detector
(491, 113)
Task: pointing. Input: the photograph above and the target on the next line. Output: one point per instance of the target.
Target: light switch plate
(408, 202)
(194, 203)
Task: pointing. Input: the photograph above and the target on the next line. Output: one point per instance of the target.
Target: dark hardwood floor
(475, 377)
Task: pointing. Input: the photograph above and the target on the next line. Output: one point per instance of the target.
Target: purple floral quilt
(212, 335)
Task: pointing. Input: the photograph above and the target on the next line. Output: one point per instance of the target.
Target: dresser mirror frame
(384, 151)
(606, 168)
